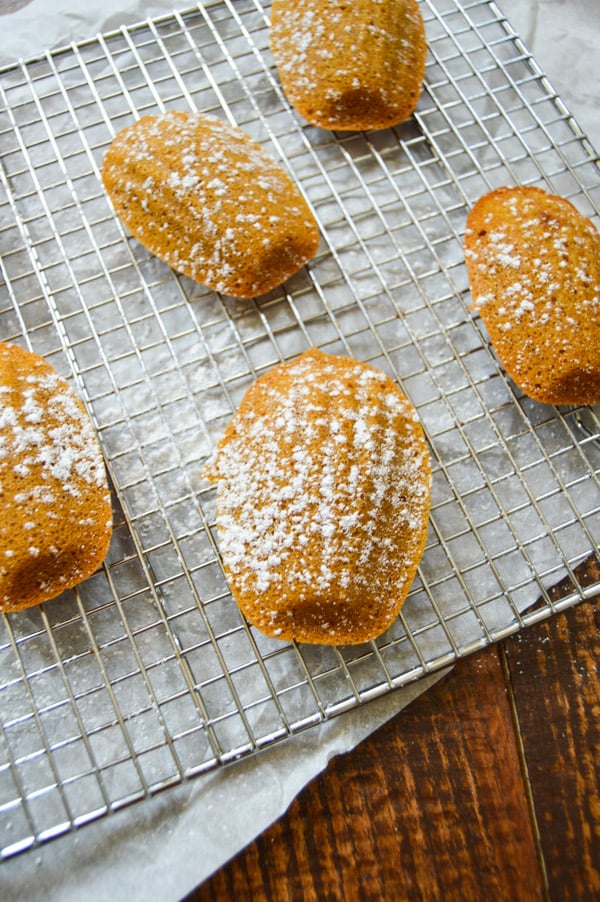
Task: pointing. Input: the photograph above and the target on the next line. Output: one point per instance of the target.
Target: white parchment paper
(163, 848)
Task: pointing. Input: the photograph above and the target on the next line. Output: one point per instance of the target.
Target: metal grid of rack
(147, 675)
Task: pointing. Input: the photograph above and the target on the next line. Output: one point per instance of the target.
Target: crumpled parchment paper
(162, 848)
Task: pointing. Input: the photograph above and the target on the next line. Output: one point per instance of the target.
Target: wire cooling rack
(147, 675)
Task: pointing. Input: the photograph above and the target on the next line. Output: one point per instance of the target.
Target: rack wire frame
(146, 675)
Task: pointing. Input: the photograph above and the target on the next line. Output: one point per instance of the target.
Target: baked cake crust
(208, 200)
(324, 490)
(350, 65)
(533, 262)
(56, 519)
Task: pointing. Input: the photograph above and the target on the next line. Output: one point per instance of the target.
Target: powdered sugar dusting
(546, 262)
(317, 482)
(340, 63)
(42, 427)
(534, 269)
(56, 518)
(208, 200)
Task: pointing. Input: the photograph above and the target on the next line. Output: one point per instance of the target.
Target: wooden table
(485, 788)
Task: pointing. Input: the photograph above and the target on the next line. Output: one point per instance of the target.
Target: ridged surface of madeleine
(534, 268)
(207, 199)
(324, 488)
(56, 520)
(350, 65)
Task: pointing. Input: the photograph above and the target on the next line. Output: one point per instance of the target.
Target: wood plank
(432, 806)
(554, 673)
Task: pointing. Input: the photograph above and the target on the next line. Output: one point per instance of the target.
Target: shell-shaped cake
(350, 65)
(533, 262)
(324, 490)
(56, 519)
(210, 201)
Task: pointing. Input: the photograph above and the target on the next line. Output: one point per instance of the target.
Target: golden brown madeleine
(534, 268)
(350, 64)
(324, 490)
(209, 201)
(56, 520)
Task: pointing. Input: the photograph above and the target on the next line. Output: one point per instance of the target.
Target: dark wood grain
(554, 676)
(487, 787)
